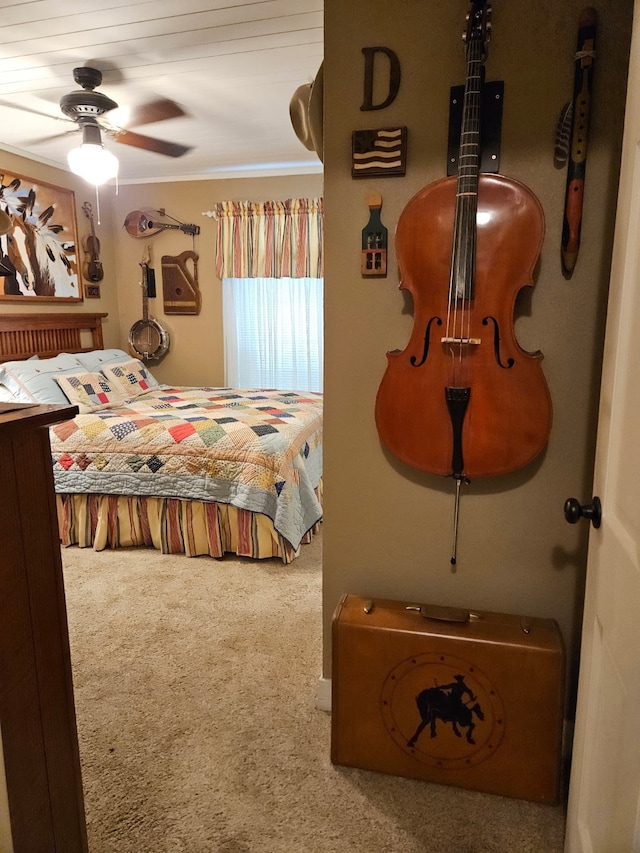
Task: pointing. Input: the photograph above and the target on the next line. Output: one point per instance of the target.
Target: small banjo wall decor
(148, 340)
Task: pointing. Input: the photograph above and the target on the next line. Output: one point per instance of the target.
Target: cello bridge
(460, 341)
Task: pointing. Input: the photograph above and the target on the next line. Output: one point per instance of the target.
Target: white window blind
(274, 335)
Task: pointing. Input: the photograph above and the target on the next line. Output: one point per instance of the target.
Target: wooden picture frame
(92, 291)
(379, 153)
(39, 253)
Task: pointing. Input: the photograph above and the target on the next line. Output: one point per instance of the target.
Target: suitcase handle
(445, 614)
(454, 614)
(442, 614)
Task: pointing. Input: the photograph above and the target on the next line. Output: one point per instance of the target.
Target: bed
(185, 470)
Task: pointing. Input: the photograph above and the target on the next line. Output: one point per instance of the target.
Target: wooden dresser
(37, 713)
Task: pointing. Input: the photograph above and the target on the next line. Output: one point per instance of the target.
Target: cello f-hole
(496, 343)
(427, 340)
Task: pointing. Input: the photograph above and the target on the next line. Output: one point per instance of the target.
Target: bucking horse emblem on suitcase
(442, 710)
(453, 703)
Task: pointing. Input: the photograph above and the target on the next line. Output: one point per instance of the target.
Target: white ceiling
(232, 65)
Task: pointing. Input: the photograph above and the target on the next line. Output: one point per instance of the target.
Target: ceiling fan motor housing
(77, 104)
(86, 102)
(85, 107)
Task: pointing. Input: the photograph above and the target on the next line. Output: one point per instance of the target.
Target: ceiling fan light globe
(94, 163)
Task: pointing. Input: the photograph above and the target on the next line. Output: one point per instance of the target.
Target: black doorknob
(573, 511)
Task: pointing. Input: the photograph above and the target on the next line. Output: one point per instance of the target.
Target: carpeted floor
(195, 684)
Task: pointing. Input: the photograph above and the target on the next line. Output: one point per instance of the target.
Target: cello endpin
(456, 514)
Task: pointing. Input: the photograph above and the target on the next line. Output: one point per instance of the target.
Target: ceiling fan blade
(13, 106)
(158, 110)
(147, 143)
(51, 137)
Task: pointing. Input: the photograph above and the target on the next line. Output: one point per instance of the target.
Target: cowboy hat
(305, 110)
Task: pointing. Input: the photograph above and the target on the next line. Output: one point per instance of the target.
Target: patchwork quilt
(258, 450)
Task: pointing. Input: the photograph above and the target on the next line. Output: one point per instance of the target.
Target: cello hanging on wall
(464, 399)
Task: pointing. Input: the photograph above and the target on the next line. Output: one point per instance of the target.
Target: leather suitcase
(472, 699)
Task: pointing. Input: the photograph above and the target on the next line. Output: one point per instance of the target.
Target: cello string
(470, 175)
(454, 279)
(461, 281)
(475, 72)
(460, 237)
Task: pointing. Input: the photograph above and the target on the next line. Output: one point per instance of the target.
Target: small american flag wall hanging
(379, 153)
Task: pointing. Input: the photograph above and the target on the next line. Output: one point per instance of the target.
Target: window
(269, 257)
(273, 330)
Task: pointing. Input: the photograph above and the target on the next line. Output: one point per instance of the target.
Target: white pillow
(132, 377)
(96, 359)
(5, 395)
(33, 380)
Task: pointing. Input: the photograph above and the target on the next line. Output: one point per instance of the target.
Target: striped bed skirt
(172, 526)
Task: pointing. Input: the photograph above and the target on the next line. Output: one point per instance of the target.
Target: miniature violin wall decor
(463, 399)
(93, 266)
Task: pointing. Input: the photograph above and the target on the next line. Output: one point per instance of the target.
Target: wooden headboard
(46, 335)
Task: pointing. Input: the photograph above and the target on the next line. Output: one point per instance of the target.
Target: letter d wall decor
(393, 83)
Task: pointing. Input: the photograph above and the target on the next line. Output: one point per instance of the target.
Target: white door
(604, 794)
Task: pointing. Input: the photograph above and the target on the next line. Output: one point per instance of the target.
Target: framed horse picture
(38, 242)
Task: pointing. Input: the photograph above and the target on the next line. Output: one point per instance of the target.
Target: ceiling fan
(88, 108)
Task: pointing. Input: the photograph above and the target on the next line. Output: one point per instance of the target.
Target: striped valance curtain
(271, 239)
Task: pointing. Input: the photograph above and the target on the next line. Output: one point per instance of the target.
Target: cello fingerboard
(490, 126)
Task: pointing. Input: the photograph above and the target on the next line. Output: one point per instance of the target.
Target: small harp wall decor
(180, 288)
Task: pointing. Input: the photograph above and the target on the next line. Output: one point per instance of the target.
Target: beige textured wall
(195, 356)
(387, 529)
